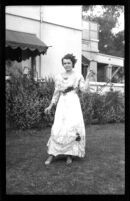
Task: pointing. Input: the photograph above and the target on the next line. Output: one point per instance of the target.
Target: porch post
(109, 71)
(93, 66)
(33, 66)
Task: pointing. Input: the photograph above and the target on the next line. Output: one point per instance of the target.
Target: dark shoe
(78, 138)
(49, 160)
(69, 160)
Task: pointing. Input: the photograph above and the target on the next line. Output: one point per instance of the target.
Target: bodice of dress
(63, 81)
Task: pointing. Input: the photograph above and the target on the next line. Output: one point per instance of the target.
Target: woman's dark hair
(71, 57)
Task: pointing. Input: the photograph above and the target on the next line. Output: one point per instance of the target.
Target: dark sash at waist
(68, 90)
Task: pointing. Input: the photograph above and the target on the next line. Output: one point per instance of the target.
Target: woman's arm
(84, 83)
(55, 98)
(48, 109)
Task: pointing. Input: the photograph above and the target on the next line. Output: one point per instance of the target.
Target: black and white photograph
(65, 102)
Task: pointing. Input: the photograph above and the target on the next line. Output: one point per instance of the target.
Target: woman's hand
(48, 109)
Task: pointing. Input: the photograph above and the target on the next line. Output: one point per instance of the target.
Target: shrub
(27, 99)
(26, 111)
(8, 101)
(45, 91)
(114, 107)
(87, 107)
(98, 107)
(107, 108)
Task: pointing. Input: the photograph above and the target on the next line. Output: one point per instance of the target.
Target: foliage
(115, 9)
(26, 111)
(108, 42)
(27, 99)
(114, 107)
(87, 107)
(119, 77)
(118, 44)
(107, 108)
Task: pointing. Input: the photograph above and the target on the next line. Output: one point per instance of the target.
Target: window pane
(94, 46)
(93, 35)
(93, 26)
(86, 34)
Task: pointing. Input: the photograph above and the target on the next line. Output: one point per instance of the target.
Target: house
(54, 32)
(59, 27)
(104, 66)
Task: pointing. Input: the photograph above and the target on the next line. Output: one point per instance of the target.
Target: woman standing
(68, 130)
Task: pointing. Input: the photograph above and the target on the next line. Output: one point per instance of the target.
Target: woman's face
(67, 64)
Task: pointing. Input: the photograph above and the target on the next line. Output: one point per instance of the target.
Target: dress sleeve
(83, 84)
(56, 93)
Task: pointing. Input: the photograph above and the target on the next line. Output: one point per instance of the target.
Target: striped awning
(21, 45)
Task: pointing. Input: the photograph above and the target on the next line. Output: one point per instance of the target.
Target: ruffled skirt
(68, 124)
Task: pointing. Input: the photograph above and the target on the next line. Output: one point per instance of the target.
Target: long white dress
(68, 120)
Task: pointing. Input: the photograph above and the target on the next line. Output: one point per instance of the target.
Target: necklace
(67, 75)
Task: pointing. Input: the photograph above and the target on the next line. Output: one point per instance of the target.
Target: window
(85, 34)
(93, 35)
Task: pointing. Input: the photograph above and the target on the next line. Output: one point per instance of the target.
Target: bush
(107, 108)
(26, 111)
(27, 99)
(87, 107)
(114, 107)
(98, 107)
(45, 92)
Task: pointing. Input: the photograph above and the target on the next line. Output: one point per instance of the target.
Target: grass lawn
(102, 170)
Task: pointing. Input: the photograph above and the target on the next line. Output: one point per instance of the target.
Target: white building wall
(63, 41)
(60, 28)
(18, 23)
(32, 12)
(69, 16)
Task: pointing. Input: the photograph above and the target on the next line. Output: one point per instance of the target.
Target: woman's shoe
(49, 160)
(69, 160)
